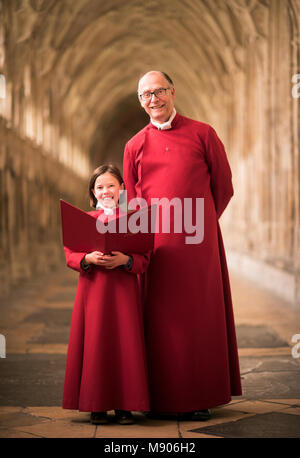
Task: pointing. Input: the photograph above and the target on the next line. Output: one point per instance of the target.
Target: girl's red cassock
(106, 362)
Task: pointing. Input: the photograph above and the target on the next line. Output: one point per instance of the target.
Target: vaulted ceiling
(89, 54)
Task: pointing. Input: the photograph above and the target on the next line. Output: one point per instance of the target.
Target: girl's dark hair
(110, 168)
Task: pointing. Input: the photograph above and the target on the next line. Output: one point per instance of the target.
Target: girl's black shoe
(124, 417)
(99, 418)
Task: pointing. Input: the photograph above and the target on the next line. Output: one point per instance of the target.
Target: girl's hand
(96, 257)
(118, 259)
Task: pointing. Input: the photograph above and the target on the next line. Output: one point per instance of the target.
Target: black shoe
(198, 415)
(99, 418)
(124, 417)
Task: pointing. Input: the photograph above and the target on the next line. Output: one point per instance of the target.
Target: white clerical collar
(107, 210)
(165, 125)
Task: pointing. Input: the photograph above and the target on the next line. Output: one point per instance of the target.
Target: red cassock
(106, 362)
(189, 323)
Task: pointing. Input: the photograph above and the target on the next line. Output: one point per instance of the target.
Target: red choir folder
(80, 231)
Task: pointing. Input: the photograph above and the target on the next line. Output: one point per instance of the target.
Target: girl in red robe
(106, 361)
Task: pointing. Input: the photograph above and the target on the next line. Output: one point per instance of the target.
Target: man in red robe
(189, 324)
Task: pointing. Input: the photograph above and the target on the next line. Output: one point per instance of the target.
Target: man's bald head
(157, 72)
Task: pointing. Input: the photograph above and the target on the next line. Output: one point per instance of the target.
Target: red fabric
(106, 362)
(189, 324)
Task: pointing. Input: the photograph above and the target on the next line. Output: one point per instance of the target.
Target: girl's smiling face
(107, 190)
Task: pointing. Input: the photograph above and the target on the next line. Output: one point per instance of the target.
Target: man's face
(158, 108)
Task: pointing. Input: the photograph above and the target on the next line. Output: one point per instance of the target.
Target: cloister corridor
(68, 102)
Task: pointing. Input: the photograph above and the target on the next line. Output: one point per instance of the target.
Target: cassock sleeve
(74, 259)
(129, 174)
(220, 173)
(140, 262)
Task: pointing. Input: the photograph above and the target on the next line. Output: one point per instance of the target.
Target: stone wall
(30, 189)
(264, 153)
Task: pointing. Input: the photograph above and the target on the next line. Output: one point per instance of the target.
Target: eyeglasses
(160, 92)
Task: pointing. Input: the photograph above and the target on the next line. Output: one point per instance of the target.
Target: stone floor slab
(288, 402)
(12, 420)
(17, 338)
(10, 409)
(144, 428)
(15, 434)
(258, 352)
(268, 425)
(219, 416)
(50, 335)
(32, 380)
(60, 429)
(256, 306)
(51, 317)
(258, 336)
(270, 377)
(63, 295)
(59, 349)
(57, 412)
(256, 407)
(293, 410)
(268, 385)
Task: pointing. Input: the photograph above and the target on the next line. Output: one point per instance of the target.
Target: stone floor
(35, 322)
